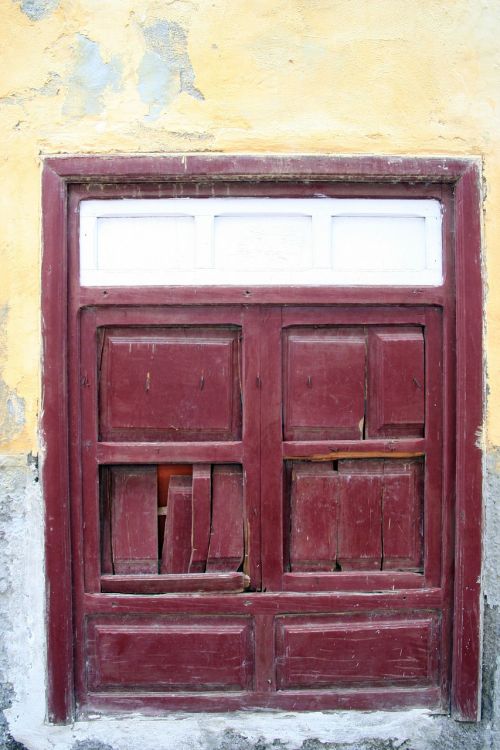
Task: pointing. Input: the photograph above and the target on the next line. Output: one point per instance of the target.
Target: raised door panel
(168, 654)
(396, 382)
(170, 384)
(324, 384)
(368, 651)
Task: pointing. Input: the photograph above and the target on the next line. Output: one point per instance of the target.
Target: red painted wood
(147, 453)
(313, 533)
(178, 653)
(269, 384)
(374, 651)
(396, 382)
(324, 384)
(252, 561)
(433, 463)
(105, 529)
(437, 511)
(134, 519)
(201, 517)
(108, 297)
(402, 516)
(322, 450)
(265, 668)
(174, 583)
(467, 602)
(361, 699)
(226, 547)
(170, 384)
(353, 581)
(359, 531)
(55, 471)
(273, 603)
(164, 473)
(200, 167)
(176, 552)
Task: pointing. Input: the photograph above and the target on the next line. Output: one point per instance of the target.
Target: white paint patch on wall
(260, 241)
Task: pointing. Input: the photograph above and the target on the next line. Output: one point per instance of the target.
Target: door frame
(463, 175)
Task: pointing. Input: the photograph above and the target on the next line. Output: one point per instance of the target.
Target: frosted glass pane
(262, 243)
(378, 243)
(145, 242)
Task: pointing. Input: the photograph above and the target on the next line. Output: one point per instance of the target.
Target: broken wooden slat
(226, 539)
(360, 521)
(165, 473)
(181, 583)
(313, 539)
(134, 529)
(176, 551)
(402, 516)
(200, 528)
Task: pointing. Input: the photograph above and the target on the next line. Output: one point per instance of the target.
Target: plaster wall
(169, 76)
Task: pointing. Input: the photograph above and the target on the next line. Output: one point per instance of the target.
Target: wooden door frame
(463, 175)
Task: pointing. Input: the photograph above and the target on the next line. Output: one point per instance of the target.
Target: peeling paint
(90, 78)
(50, 87)
(165, 70)
(12, 406)
(38, 9)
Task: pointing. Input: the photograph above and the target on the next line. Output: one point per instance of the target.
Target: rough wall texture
(128, 76)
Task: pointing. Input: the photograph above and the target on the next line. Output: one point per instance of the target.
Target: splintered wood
(173, 519)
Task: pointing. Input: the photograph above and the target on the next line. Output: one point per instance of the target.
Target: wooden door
(262, 507)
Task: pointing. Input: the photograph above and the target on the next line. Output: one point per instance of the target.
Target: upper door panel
(165, 384)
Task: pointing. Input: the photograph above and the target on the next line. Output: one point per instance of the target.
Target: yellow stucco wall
(311, 76)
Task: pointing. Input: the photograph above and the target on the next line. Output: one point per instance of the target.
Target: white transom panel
(260, 241)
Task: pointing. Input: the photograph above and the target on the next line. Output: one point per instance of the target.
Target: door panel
(170, 384)
(182, 653)
(324, 384)
(376, 651)
(396, 382)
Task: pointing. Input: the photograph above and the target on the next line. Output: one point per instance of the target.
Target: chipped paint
(91, 76)
(38, 9)
(165, 70)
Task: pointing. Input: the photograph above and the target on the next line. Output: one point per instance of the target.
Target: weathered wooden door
(261, 495)
(253, 475)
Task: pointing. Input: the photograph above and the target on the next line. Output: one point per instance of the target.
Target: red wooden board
(226, 539)
(313, 535)
(170, 384)
(171, 654)
(134, 520)
(324, 384)
(360, 515)
(396, 382)
(177, 539)
(201, 517)
(402, 516)
(328, 652)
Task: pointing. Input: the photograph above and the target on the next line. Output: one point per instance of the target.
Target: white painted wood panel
(260, 241)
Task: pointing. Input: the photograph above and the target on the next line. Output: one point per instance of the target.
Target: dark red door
(262, 507)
